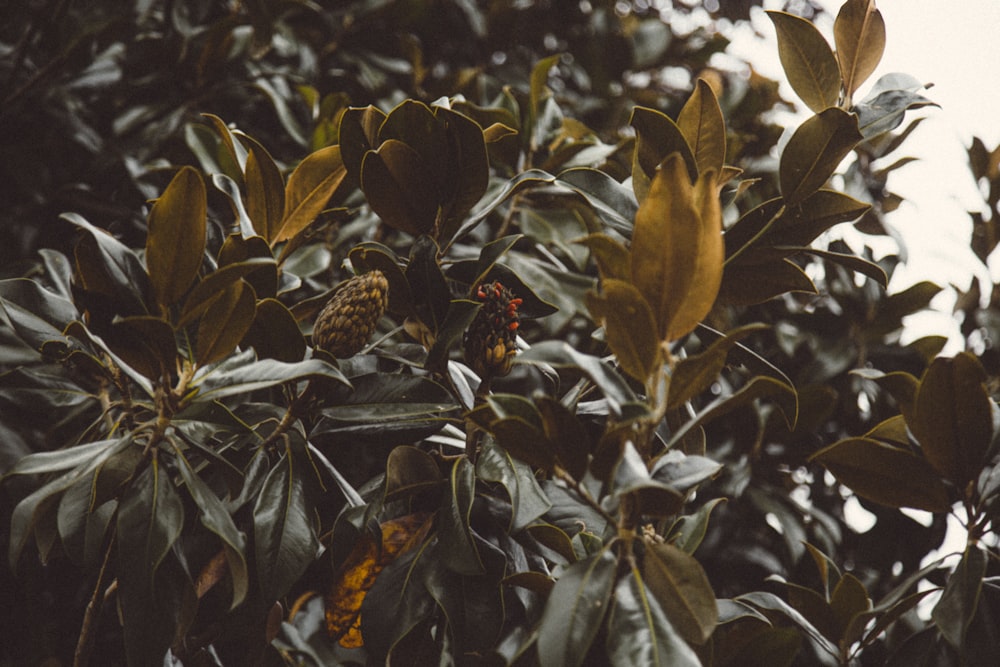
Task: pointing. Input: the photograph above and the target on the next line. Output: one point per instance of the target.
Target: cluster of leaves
(648, 483)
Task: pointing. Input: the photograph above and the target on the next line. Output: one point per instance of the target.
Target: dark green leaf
(814, 152)
(285, 542)
(693, 375)
(575, 610)
(769, 602)
(36, 314)
(247, 377)
(459, 549)
(275, 334)
(689, 530)
(614, 202)
(885, 474)
(678, 582)
(562, 354)
(527, 499)
(639, 632)
(955, 610)
(225, 323)
(150, 520)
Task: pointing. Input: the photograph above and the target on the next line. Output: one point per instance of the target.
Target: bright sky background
(955, 47)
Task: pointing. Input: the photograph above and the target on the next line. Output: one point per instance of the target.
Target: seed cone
(349, 318)
(491, 340)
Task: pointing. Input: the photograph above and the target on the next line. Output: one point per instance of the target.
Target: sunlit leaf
(885, 474)
(702, 124)
(225, 323)
(175, 241)
(610, 255)
(677, 248)
(308, 190)
(808, 61)
(629, 327)
(814, 152)
(859, 32)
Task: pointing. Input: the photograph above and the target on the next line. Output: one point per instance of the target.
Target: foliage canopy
(627, 378)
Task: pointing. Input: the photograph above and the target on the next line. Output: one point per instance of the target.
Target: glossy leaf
(36, 314)
(107, 266)
(610, 255)
(657, 137)
(308, 190)
(225, 323)
(216, 518)
(150, 519)
(204, 294)
(175, 242)
(630, 329)
(952, 417)
(677, 248)
(561, 354)
(808, 61)
(246, 377)
(769, 602)
(275, 334)
(955, 610)
(527, 499)
(689, 530)
(680, 585)
(639, 632)
(285, 542)
(746, 283)
(693, 375)
(265, 198)
(359, 128)
(859, 33)
(703, 127)
(567, 435)
(460, 553)
(814, 152)
(885, 474)
(576, 609)
(613, 201)
(885, 106)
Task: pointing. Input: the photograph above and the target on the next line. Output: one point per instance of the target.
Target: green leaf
(400, 188)
(689, 530)
(850, 262)
(613, 201)
(566, 434)
(309, 188)
(107, 266)
(576, 609)
(704, 129)
(58, 460)
(36, 314)
(561, 354)
(224, 324)
(463, 169)
(657, 137)
(147, 344)
(631, 477)
(955, 610)
(770, 602)
(275, 334)
(208, 289)
(885, 111)
(808, 62)
(359, 128)
(859, 33)
(814, 152)
(150, 519)
(630, 329)
(747, 284)
(952, 417)
(684, 471)
(527, 499)
(409, 471)
(693, 375)
(245, 377)
(285, 542)
(459, 552)
(885, 474)
(639, 632)
(265, 199)
(679, 584)
(537, 94)
(677, 248)
(216, 518)
(175, 242)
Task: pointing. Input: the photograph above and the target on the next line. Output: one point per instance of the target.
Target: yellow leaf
(358, 573)
(308, 189)
(704, 128)
(677, 248)
(175, 241)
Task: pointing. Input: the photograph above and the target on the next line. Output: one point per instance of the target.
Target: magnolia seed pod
(491, 340)
(348, 320)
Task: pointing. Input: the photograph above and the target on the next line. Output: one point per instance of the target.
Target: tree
(493, 350)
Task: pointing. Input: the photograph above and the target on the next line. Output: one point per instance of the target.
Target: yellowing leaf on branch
(358, 573)
(677, 248)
